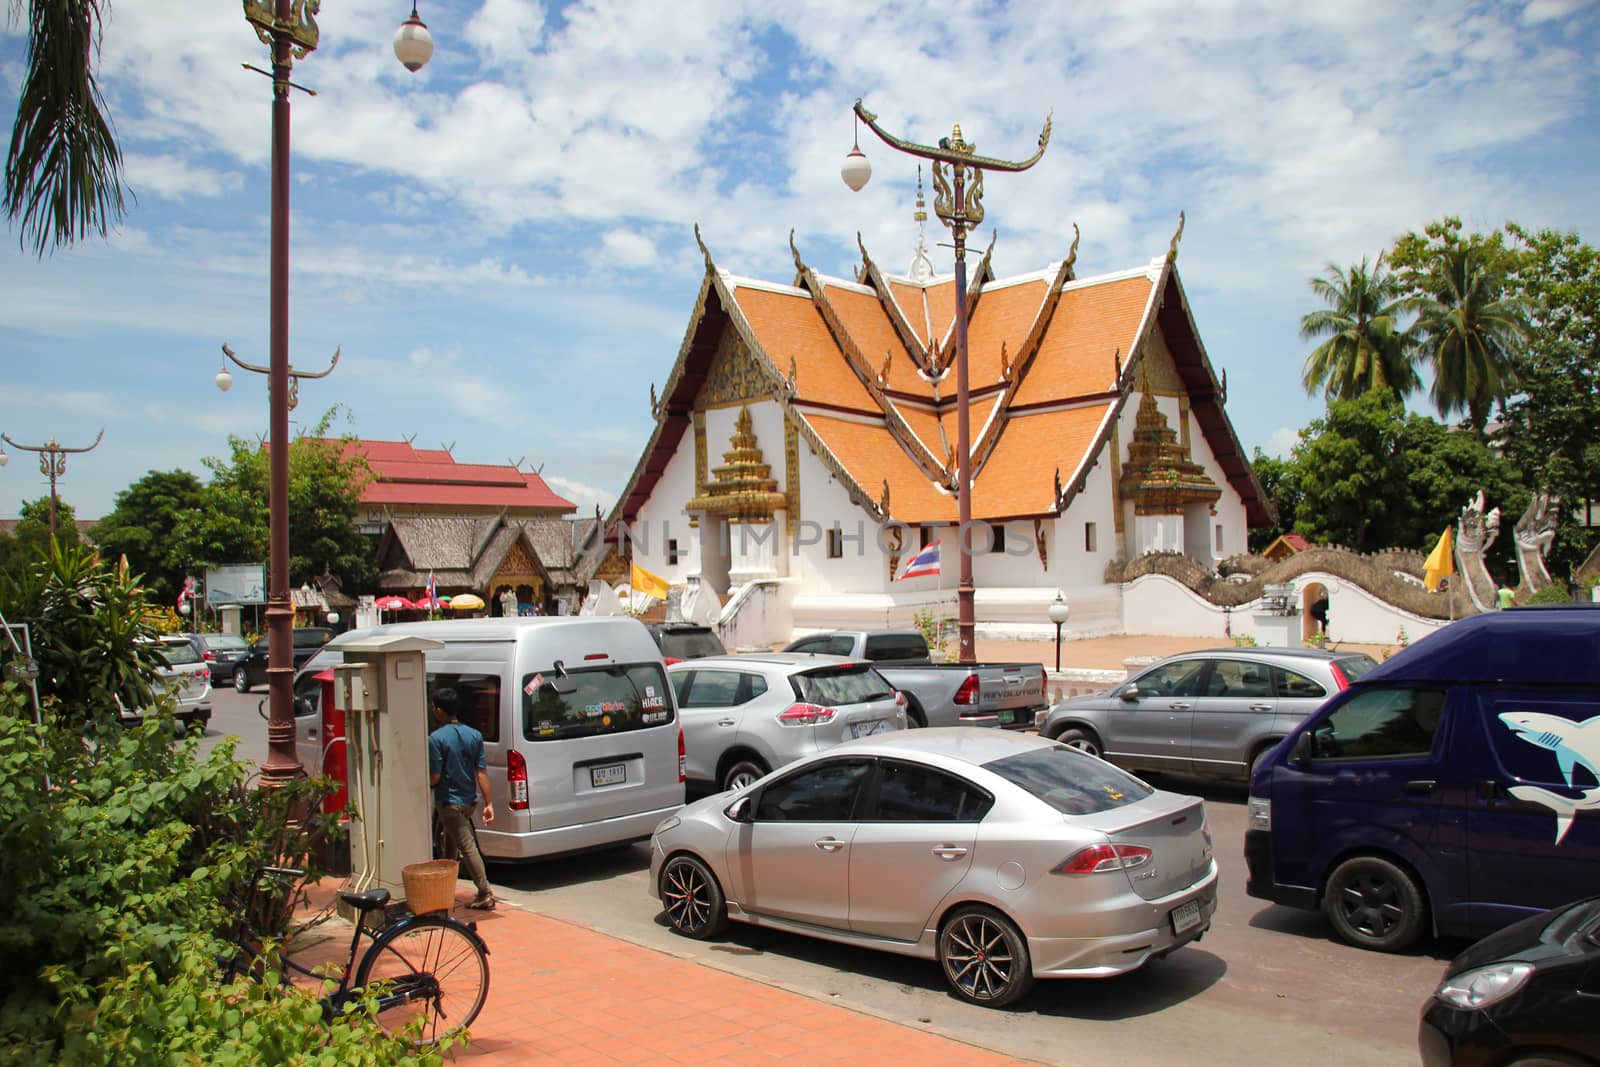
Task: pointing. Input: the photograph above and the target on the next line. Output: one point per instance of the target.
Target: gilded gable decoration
(791, 471)
(735, 378)
(1159, 476)
(742, 488)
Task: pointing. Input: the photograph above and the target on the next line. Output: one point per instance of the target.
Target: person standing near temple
(459, 774)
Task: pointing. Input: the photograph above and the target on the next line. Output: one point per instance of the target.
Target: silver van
(580, 729)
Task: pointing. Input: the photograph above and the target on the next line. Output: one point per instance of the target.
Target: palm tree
(1470, 333)
(1366, 348)
(63, 171)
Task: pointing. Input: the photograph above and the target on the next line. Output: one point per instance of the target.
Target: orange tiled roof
(1070, 367)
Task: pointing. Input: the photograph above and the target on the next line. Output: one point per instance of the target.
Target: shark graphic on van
(1575, 744)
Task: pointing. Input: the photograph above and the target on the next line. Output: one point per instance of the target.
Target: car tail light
(517, 780)
(805, 715)
(899, 699)
(670, 660)
(683, 759)
(1097, 859)
(1338, 676)
(208, 654)
(205, 674)
(967, 695)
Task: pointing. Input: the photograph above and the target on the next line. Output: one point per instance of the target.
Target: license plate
(867, 729)
(1007, 718)
(1186, 917)
(610, 774)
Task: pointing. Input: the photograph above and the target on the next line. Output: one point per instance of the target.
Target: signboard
(241, 583)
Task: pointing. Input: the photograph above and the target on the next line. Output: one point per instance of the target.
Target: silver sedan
(1004, 856)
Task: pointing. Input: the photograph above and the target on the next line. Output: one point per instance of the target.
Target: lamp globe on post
(1058, 612)
(857, 167)
(224, 380)
(333, 618)
(4, 459)
(413, 44)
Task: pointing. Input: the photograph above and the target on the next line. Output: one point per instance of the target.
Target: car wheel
(985, 957)
(1372, 903)
(916, 719)
(742, 773)
(693, 899)
(1547, 1059)
(1082, 740)
(241, 680)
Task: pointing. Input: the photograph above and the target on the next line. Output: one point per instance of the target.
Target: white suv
(187, 677)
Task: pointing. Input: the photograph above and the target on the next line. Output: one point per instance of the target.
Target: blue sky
(502, 244)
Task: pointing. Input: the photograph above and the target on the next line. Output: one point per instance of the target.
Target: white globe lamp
(413, 44)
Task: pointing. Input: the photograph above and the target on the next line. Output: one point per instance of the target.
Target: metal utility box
(381, 689)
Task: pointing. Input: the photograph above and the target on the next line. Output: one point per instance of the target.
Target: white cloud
(1282, 442)
(586, 497)
(174, 178)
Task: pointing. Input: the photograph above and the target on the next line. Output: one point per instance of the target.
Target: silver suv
(1214, 713)
(746, 715)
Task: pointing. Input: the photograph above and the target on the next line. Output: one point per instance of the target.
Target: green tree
(1471, 329)
(63, 171)
(31, 539)
(325, 483)
(1280, 481)
(1366, 347)
(1553, 426)
(140, 528)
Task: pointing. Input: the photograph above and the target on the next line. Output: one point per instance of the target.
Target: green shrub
(1558, 593)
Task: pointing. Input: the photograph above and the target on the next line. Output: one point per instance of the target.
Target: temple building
(1098, 434)
(496, 531)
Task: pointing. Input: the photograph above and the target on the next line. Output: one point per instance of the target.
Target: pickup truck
(940, 694)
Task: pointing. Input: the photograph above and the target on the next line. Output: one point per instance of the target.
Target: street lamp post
(958, 201)
(1058, 612)
(289, 29)
(52, 464)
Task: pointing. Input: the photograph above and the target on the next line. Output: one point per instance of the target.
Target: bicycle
(429, 965)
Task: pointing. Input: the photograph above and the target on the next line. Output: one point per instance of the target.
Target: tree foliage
(140, 527)
(31, 540)
(63, 171)
(325, 482)
(1367, 347)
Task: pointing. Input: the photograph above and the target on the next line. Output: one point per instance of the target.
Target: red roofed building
(494, 530)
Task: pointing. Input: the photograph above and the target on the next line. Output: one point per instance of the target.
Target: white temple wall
(1231, 514)
(662, 518)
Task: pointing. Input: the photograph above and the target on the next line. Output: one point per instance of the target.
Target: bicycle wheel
(436, 968)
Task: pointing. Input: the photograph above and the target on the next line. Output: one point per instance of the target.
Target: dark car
(221, 652)
(1526, 996)
(251, 670)
(681, 641)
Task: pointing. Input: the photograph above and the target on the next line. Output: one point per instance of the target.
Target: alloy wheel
(978, 959)
(1372, 905)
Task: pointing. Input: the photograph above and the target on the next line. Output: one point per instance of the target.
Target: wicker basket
(430, 886)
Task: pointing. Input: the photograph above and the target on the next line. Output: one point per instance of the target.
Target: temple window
(1088, 537)
(1219, 538)
(672, 552)
(998, 544)
(836, 543)
(924, 536)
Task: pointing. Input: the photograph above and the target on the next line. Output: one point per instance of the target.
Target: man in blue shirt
(459, 774)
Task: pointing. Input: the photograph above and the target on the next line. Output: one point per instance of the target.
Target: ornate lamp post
(1058, 612)
(958, 201)
(289, 29)
(52, 464)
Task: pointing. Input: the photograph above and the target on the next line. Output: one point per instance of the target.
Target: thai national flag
(186, 594)
(433, 593)
(924, 562)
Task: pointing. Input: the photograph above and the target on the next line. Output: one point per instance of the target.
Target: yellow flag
(1441, 562)
(648, 584)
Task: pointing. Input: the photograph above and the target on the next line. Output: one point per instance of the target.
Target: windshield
(215, 641)
(175, 652)
(594, 701)
(835, 686)
(690, 644)
(1070, 781)
(1355, 666)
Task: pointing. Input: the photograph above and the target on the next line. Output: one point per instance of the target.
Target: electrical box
(382, 688)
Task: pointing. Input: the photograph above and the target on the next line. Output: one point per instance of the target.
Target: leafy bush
(934, 627)
(1244, 641)
(1557, 593)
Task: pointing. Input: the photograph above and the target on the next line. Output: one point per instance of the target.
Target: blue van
(1454, 788)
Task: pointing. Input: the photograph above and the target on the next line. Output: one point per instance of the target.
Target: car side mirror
(1300, 755)
(1129, 692)
(741, 810)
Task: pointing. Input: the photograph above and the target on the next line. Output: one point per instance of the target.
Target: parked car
(679, 641)
(1525, 996)
(940, 694)
(1003, 856)
(251, 669)
(1452, 789)
(186, 677)
(1214, 713)
(745, 715)
(222, 653)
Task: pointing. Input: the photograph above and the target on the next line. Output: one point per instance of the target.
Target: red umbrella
(393, 603)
